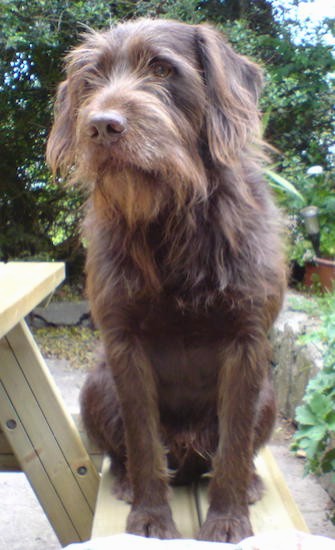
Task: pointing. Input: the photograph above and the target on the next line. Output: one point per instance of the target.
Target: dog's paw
(225, 528)
(256, 489)
(155, 523)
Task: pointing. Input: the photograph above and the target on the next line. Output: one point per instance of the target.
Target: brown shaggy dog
(185, 270)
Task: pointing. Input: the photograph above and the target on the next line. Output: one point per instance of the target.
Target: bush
(316, 416)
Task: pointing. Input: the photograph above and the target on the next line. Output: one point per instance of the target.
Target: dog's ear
(60, 148)
(233, 84)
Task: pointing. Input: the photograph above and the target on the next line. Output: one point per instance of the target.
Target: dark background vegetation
(39, 217)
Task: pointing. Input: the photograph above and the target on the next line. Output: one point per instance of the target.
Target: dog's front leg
(150, 514)
(240, 381)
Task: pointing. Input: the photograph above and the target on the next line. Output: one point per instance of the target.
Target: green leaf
(330, 419)
(320, 405)
(282, 183)
(310, 446)
(328, 461)
(305, 416)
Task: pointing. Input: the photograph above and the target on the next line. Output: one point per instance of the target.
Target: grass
(76, 344)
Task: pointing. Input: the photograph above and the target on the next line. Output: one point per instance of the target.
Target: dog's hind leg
(101, 414)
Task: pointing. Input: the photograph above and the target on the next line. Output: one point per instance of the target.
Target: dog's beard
(144, 177)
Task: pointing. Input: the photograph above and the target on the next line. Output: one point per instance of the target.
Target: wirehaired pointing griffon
(185, 271)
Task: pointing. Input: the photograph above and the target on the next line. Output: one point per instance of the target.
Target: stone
(61, 314)
(294, 362)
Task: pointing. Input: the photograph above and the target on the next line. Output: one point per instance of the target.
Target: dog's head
(158, 97)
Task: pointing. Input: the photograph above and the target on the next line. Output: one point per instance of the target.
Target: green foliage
(316, 417)
(34, 38)
(317, 190)
(183, 10)
(298, 94)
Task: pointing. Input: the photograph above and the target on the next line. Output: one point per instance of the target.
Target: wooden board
(275, 511)
(23, 285)
(9, 462)
(44, 438)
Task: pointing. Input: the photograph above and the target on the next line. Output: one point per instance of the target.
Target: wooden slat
(50, 401)
(275, 511)
(23, 285)
(46, 439)
(184, 510)
(9, 462)
(111, 514)
(36, 473)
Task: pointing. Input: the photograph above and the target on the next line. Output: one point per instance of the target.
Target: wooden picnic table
(36, 424)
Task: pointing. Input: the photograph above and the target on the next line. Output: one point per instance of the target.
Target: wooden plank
(51, 431)
(95, 454)
(9, 462)
(23, 285)
(277, 509)
(184, 510)
(36, 473)
(111, 514)
(60, 421)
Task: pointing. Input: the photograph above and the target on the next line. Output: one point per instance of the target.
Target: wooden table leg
(44, 438)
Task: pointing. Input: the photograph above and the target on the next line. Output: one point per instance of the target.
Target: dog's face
(157, 97)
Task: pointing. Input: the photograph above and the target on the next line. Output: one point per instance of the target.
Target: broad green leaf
(305, 416)
(320, 405)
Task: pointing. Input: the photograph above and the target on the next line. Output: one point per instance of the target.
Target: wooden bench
(39, 434)
(277, 509)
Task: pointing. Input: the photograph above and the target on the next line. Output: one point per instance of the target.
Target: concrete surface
(23, 525)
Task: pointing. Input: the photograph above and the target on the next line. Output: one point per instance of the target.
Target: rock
(294, 362)
(61, 313)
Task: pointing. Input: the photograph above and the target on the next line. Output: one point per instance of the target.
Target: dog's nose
(107, 126)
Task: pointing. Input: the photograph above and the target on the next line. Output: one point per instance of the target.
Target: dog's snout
(107, 126)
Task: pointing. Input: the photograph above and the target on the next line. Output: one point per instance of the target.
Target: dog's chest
(186, 377)
(184, 352)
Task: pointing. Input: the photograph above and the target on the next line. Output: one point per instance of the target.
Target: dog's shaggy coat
(185, 272)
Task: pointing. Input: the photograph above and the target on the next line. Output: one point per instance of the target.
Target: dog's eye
(161, 69)
(86, 86)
